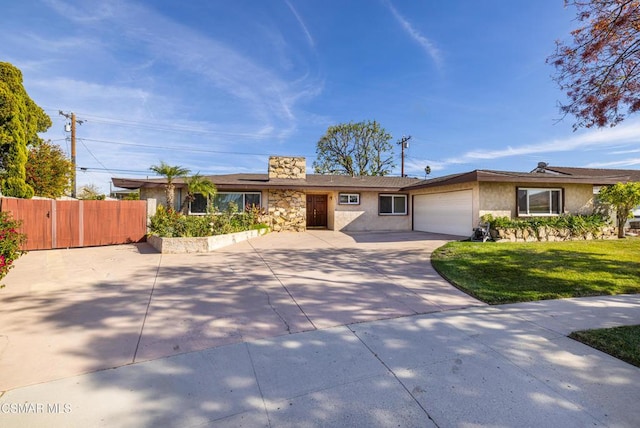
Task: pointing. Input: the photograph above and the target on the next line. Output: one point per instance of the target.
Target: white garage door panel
(450, 213)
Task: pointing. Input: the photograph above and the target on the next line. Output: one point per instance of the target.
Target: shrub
(10, 242)
(575, 224)
(171, 224)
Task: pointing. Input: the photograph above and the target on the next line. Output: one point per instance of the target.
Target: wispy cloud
(302, 24)
(615, 164)
(263, 97)
(427, 45)
(624, 134)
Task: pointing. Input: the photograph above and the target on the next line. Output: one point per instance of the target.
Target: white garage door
(450, 213)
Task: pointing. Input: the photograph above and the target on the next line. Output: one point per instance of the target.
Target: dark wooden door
(316, 210)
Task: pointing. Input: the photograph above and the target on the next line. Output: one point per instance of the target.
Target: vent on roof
(542, 167)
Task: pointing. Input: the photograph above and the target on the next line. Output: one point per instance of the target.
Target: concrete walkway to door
(67, 312)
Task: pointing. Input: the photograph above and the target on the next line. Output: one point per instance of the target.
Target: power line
(112, 171)
(165, 127)
(92, 155)
(184, 149)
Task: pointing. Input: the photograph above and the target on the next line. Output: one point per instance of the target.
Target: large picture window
(242, 200)
(392, 204)
(533, 202)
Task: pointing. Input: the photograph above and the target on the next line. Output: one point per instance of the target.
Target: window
(392, 204)
(242, 200)
(533, 202)
(199, 204)
(349, 199)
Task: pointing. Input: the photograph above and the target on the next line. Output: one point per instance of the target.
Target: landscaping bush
(566, 225)
(10, 242)
(171, 224)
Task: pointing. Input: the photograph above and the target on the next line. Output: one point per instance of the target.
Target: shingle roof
(558, 175)
(262, 181)
(629, 174)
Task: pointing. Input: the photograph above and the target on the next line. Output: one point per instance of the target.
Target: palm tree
(197, 184)
(170, 172)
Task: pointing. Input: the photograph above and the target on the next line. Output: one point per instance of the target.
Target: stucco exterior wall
(499, 199)
(159, 194)
(365, 217)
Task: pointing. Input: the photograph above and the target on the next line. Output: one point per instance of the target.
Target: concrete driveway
(317, 329)
(67, 312)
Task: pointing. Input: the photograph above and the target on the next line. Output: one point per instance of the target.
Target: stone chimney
(287, 167)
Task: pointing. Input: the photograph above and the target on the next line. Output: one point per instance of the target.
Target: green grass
(499, 273)
(621, 342)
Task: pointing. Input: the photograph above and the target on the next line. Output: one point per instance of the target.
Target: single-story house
(452, 204)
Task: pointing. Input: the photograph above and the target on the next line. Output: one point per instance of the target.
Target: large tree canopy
(600, 69)
(48, 170)
(20, 121)
(362, 148)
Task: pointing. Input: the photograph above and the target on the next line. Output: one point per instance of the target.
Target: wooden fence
(52, 224)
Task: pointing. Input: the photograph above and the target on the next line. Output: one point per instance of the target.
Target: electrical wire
(184, 149)
(162, 127)
(92, 155)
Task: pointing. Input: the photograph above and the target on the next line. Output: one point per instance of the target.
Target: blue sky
(217, 86)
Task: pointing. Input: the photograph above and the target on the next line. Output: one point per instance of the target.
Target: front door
(316, 210)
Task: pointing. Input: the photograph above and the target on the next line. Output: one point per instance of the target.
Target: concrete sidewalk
(492, 366)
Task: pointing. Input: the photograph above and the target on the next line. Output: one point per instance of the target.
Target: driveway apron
(73, 311)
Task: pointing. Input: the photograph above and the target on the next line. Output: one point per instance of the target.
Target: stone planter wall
(546, 234)
(201, 245)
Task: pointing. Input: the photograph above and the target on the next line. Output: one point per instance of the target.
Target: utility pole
(404, 144)
(72, 117)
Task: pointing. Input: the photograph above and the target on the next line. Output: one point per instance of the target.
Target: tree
(48, 170)
(91, 192)
(170, 173)
(20, 121)
(623, 197)
(197, 184)
(362, 148)
(600, 70)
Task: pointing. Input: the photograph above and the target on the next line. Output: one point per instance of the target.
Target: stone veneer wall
(287, 208)
(547, 234)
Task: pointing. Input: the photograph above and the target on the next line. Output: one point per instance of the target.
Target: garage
(450, 213)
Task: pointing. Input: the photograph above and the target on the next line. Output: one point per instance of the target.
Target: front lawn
(499, 273)
(621, 342)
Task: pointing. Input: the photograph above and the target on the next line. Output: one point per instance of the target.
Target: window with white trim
(392, 204)
(539, 202)
(242, 200)
(349, 199)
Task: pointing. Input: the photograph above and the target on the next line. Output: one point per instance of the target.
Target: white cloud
(623, 134)
(615, 164)
(264, 98)
(302, 24)
(427, 45)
